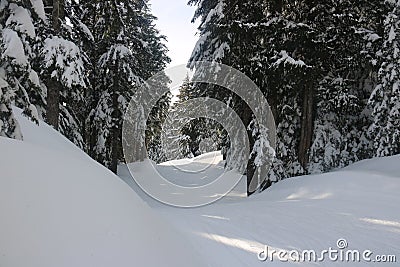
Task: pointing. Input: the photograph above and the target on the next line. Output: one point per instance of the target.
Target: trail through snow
(60, 208)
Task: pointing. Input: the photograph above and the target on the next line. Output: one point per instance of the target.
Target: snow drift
(60, 208)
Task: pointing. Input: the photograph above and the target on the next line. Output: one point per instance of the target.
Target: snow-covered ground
(360, 204)
(60, 208)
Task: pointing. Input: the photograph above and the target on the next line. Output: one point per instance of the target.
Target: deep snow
(360, 204)
(60, 208)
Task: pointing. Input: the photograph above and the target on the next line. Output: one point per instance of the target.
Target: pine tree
(345, 83)
(385, 100)
(65, 68)
(128, 51)
(20, 84)
(315, 62)
(224, 27)
(197, 132)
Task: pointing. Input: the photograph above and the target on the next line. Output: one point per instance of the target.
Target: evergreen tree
(224, 26)
(65, 67)
(197, 131)
(385, 100)
(20, 84)
(315, 61)
(346, 82)
(128, 51)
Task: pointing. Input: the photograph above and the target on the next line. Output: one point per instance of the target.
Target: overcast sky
(174, 21)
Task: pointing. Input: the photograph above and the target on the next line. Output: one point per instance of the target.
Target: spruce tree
(20, 83)
(315, 62)
(385, 99)
(65, 67)
(128, 52)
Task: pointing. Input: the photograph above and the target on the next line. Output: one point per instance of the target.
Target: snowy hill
(60, 208)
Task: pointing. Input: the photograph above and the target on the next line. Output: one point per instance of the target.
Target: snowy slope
(60, 208)
(360, 204)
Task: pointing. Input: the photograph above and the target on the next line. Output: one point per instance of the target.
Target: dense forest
(329, 70)
(75, 65)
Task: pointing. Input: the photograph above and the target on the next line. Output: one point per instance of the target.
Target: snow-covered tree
(20, 83)
(196, 132)
(346, 82)
(385, 99)
(128, 51)
(64, 68)
(315, 62)
(224, 27)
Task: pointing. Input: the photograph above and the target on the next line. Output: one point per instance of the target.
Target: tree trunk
(115, 135)
(246, 116)
(58, 14)
(307, 122)
(53, 102)
(114, 150)
(53, 85)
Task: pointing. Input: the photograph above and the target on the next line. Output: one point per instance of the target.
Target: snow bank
(60, 208)
(359, 204)
(305, 213)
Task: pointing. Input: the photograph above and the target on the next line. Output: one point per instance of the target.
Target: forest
(329, 70)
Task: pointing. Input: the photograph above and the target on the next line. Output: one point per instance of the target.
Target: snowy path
(63, 209)
(310, 212)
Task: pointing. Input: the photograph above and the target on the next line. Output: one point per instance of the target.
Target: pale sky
(174, 21)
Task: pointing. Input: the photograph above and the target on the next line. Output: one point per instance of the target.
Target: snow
(197, 172)
(392, 35)
(3, 83)
(14, 47)
(21, 17)
(218, 11)
(34, 77)
(86, 31)
(60, 208)
(39, 8)
(286, 59)
(67, 58)
(358, 203)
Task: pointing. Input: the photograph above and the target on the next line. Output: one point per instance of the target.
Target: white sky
(174, 21)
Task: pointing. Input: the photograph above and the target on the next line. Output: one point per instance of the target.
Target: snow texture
(14, 47)
(60, 208)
